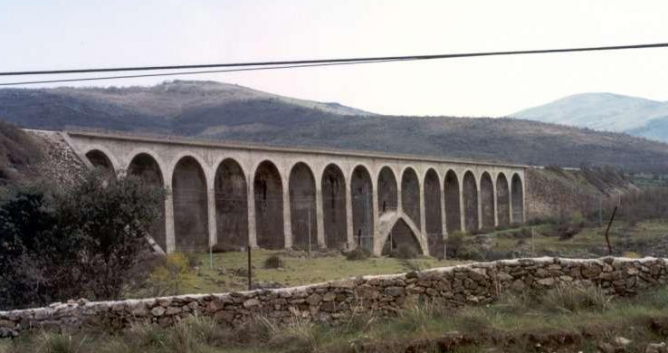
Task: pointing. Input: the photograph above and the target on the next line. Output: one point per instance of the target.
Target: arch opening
(101, 161)
(361, 190)
(517, 199)
(470, 189)
(401, 235)
(410, 195)
(303, 208)
(191, 216)
(231, 196)
(487, 201)
(502, 200)
(146, 168)
(453, 214)
(268, 206)
(432, 209)
(334, 207)
(387, 191)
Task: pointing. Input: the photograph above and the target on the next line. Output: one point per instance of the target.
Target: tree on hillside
(71, 242)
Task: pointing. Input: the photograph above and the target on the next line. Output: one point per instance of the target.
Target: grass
(588, 238)
(565, 319)
(228, 272)
(225, 272)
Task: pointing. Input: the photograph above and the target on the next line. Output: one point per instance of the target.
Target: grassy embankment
(227, 272)
(561, 320)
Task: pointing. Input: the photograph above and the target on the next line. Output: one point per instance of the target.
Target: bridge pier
(362, 199)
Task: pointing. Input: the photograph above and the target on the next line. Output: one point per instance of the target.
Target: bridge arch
(333, 188)
(387, 190)
(146, 167)
(410, 194)
(470, 192)
(433, 212)
(303, 207)
(502, 200)
(361, 193)
(517, 197)
(487, 200)
(397, 229)
(231, 200)
(101, 158)
(190, 201)
(451, 194)
(268, 189)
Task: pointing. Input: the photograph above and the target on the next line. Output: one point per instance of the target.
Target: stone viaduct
(236, 195)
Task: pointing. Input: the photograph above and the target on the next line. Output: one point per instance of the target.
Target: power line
(98, 78)
(273, 65)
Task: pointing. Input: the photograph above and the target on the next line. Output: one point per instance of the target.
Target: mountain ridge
(234, 113)
(605, 111)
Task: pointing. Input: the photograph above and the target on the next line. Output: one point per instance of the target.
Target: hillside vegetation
(18, 153)
(221, 111)
(606, 112)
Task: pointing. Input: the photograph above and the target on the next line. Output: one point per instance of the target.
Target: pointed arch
(268, 197)
(401, 234)
(191, 214)
(361, 190)
(334, 207)
(487, 200)
(410, 195)
(303, 207)
(231, 199)
(453, 212)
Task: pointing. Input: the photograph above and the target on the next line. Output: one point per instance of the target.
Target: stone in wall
(470, 284)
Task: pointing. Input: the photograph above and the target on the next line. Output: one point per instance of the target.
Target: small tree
(69, 242)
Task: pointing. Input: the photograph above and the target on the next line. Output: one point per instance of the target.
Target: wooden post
(607, 236)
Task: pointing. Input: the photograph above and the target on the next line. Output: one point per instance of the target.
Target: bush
(80, 240)
(454, 243)
(405, 251)
(274, 262)
(358, 254)
(169, 277)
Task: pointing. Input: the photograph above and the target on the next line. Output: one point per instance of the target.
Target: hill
(222, 111)
(605, 112)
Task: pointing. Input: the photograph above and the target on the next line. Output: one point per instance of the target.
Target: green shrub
(405, 251)
(274, 262)
(454, 243)
(358, 254)
(80, 240)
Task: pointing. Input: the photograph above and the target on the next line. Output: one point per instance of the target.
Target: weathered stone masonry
(476, 283)
(237, 194)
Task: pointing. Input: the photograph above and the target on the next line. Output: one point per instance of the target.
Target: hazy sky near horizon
(63, 34)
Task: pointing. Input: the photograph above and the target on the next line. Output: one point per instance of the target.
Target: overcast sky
(61, 34)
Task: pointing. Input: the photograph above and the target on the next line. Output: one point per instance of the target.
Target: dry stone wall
(456, 286)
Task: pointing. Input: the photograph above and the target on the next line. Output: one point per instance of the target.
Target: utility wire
(340, 60)
(100, 78)
(273, 65)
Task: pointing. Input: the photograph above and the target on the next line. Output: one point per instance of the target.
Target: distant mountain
(605, 112)
(221, 111)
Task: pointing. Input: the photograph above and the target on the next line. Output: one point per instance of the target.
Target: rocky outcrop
(470, 284)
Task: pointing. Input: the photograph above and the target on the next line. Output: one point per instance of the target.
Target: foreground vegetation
(561, 320)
